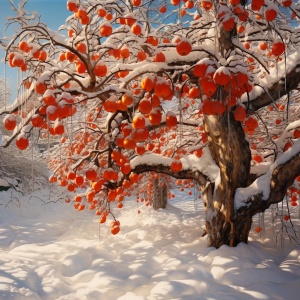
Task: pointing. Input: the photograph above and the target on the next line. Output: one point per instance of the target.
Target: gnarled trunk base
(220, 229)
(222, 232)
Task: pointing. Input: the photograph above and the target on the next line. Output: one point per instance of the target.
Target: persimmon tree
(205, 92)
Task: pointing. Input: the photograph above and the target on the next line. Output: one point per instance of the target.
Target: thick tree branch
(185, 174)
(278, 89)
(203, 169)
(279, 180)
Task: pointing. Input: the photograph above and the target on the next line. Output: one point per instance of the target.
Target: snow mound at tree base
(62, 254)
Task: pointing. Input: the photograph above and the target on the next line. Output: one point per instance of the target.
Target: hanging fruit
(155, 116)
(136, 2)
(240, 29)
(136, 29)
(23, 46)
(18, 60)
(100, 69)
(115, 227)
(72, 6)
(110, 105)
(22, 141)
(10, 122)
(296, 134)
(257, 158)
(110, 175)
(59, 128)
(176, 166)
(43, 56)
(147, 83)
(106, 30)
(129, 143)
(80, 67)
(189, 4)
(256, 5)
(127, 99)
(40, 87)
(140, 149)
(175, 2)
(208, 87)
(152, 40)
(138, 121)
(159, 57)
(162, 9)
(206, 5)
(251, 122)
(278, 48)
(141, 55)
(171, 119)
(194, 92)
(145, 106)
(184, 47)
(124, 52)
(240, 113)
(37, 120)
(101, 12)
(201, 67)
(241, 79)
(228, 24)
(108, 16)
(263, 46)
(162, 87)
(129, 20)
(286, 3)
(81, 47)
(222, 76)
(270, 13)
(49, 97)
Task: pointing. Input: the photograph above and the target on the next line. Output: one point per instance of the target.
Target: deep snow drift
(53, 252)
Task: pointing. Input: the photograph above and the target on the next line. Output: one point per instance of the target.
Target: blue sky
(52, 12)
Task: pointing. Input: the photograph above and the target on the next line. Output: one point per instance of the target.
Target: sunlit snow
(53, 252)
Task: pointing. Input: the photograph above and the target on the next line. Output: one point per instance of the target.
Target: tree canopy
(203, 91)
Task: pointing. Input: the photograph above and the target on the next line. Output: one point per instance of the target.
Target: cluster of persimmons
(95, 162)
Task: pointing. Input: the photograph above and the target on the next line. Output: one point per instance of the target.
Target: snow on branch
(205, 164)
(264, 185)
(280, 81)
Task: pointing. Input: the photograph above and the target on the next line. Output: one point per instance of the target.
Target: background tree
(204, 91)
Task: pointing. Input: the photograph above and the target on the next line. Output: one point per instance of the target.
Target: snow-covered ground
(52, 252)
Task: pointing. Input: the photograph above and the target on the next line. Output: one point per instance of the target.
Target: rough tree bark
(231, 152)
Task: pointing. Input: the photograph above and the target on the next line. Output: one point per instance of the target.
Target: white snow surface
(52, 252)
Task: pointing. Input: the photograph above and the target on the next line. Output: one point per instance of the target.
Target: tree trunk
(160, 194)
(230, 150)
(220, 229)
